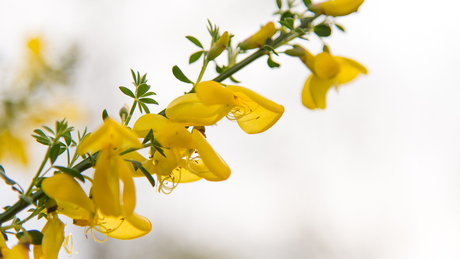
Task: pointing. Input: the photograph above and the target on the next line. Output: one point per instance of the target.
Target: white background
(375, 175)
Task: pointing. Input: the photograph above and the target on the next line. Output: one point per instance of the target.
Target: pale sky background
(375, 175)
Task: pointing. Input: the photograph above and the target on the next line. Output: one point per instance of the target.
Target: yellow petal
(212, 93)
(340, 7)
(105, 191)
(149, 122)
(38, 252)
(165, 165)
(212, 160)
(255, 113)
(307, 99)
(309, 60)
(111, 133)
(259, 38)
(188, 110)
(18, 252)
(175, 135)
(53, 236)
(185, 175)
(63, 187)
(318, 90)
(129, 191)
(133, 226)
(349, 70)
(326, 66)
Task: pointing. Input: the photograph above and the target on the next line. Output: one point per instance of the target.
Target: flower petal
(175, 135)
(53, 236)
(63, 187)
(326, 66)
(148, 122)
(340, 7)
(257, 113)
(349, 70)
(307, 99)
(133, 226)
(212, 160)
(318, 90)
(213, 93)
(106, 187)
(188, 110)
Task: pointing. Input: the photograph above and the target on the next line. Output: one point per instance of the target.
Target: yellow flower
(109, 140)
(337, 7)
(218, 47)
(53, 236)
(258, 40)
(201, 161)
(12, 148)
(19, 251)
(73, 202)
(253, 112)
(327, 71)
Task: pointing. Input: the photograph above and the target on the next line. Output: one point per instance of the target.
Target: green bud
(297, 51)
(218, 47)
(124, 111)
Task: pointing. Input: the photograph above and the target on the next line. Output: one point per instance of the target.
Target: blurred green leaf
(194, 41)
(195, 56)
(340, 27)
(126, 91)
(322, 30)
(148, 100)
(272, 63)
(179, 75)
(35, 236)
(71, 172)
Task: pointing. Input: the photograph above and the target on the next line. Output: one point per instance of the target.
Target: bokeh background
(375, 175)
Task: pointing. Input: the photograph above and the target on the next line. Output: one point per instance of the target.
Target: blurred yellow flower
(327, 71)
(253, 112)
(109, 140)
(53, 236)
(337, 7)
(259, 38)
(73, 202)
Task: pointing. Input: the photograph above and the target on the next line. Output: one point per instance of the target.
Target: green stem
(203, 69)
(29, 190)
(131, 112)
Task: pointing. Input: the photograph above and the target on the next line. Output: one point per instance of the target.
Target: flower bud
(124, 111)
(218, 47)
(258, 40)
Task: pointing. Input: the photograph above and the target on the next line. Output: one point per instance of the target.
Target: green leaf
(142, 89)
(179, 75)
(195, 56)
(5, 178)
(148, 94)
(279, 3)
(146, 109)
(322, 30)
(144, 79)
(105, 115)
(340, 27)
(307, 2)
(45, 141)
(272, 63)
(234, 80)
(40, 133)
(35, 236)
(306, 21)
(285, 15)
(218, 69)
(194, 41)
(148, 100)
(138, 165)
(71, 172)
(271, 49)
(134, 77)
(148, 137)
(53, 152)
(126, 91)
(68, 139)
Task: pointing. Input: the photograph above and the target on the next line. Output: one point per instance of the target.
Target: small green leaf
(148, 94)
(195, 56)
(148, 137)
(45, 141)
(279, 3)
(71, 172)
(35, 236)
(126, 91)
(322, 30)
(53, 152)
(105, 115)
(271, 49)
(142, 89)
(194, 41)
(40, 132)
(134, 77)
(307, 2)
(340, 27)
(146, 109)
(179, 75)
(285, 15)
(5, 178)
(68, 139)
(234, 80)
(272, 63)
(138, 165)
(148, 100)
(218, 69)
